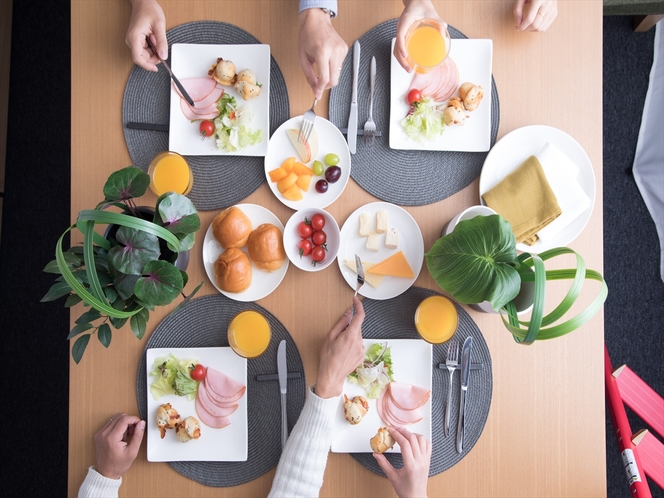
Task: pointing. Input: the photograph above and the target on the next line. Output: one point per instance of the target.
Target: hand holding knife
(184, 93)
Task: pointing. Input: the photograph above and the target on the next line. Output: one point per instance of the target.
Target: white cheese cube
(392, 238)
(373, 242)
(381, 221)
(365, 225)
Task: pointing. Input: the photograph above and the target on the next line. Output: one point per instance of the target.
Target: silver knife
(465, 376)
(282, 370)
(352, 118)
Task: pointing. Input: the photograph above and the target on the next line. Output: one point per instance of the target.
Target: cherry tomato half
(317, 255)
(206, 128)
(317, 221)
(319, 237)
(304, 229)
(198, 372)
(414, 96)
(305, 246)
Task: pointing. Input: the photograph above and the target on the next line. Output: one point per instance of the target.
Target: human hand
(410, 480)
(147, 19)
(534, 15)
(341, 353)
(413, 11)
(117, 444)
(320, 44)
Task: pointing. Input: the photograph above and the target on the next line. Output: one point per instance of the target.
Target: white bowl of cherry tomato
(311, 239)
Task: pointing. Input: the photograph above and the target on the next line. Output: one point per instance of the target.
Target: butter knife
(282, 371)
(465, 377)
(352, 118)
(184, 93)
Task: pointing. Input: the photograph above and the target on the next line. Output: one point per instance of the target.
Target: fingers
(323, 78)
(518, 12)
(402, 437)
(534, 15)
(136, 438)
(121, 426)
(386, 466)
(359, 315)
(159, 39)
(341, 325)
(400, 47)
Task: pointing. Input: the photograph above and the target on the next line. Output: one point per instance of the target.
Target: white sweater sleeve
(302, 463)
(96, 485)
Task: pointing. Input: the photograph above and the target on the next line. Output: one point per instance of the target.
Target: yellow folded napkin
(525, 199)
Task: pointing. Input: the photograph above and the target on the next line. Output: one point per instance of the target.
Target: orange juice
(169, 172)
(249, 334)
(436, 319)
(427, 44)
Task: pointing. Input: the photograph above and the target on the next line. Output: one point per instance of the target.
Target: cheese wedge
(373, 280)
(394, 266)
(381, 221)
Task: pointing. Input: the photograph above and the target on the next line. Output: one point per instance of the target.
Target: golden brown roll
(266, 247)
(382, 441)
(231, 227)
(233, 270)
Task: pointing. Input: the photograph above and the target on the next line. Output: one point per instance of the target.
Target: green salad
(232, 125)
(172, 376)
(424, 121)
(375, 373)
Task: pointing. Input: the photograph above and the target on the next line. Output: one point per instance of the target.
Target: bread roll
(266, 247)
(382, 441)
(231, 227)
(233, 270)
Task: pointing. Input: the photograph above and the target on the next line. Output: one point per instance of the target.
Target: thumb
(386, 466)
(136, 438)
(160, 41)
(518, 12)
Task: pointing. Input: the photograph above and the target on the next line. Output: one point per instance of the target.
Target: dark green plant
(124, 276)
(478, 262)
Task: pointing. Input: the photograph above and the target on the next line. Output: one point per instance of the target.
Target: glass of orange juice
(427, 44)
(169, 172)
(436, 319)
(249, 334)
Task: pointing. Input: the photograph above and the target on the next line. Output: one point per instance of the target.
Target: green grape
(331, 159)
(318, 168)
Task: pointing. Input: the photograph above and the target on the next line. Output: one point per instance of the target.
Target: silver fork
(370, 126)
(451, 362)
(307, 123)
(359, 269)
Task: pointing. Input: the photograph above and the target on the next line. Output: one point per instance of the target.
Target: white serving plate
(189, 60)
(474, 60)
(410, 242)
(215, 445)
(411, 364)
(514, 148)
(330, 140)
(262, 283)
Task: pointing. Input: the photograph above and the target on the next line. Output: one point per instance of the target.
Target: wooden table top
(545, 432)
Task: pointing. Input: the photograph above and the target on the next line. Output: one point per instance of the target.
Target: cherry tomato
(305, 246)
(318, 237)
(317, 221)
(206, 128)
(198, 372)
(304, 229)
(414, 96)
(317, 254)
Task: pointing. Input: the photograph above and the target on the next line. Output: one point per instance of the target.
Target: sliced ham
(444, 94)
(211, 99)
(407, 396)
(422, 80)
(382, 413)
(222, 387)
(197, 88)
(210, 406)
(200, 110)
(192, 116)
(403, 417)
(210, 420)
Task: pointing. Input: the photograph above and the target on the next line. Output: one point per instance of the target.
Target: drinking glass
(427, 44)
(170, 172)
(436, 319)
(249, 334)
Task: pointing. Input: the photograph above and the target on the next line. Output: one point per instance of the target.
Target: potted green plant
(478, 262)
(125, 275)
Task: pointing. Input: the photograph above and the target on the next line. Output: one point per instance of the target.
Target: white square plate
(190, 60)
(411, 364)
(473, 58)
(215, 445)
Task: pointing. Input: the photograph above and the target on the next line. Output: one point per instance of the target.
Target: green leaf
(111, 294)
(138, 324)
(178, 214)
(56, 291)
(79, 347)
(117, 323)
(125, 285)
(126, 183)
(71, 260)
(136, 249)
(72, 300)
(104, 334)
(79, 329)
(88, 316)
(160, 284)
(475, 262)
(186, 243)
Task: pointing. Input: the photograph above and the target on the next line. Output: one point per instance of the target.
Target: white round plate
(291, 239)
(262, 283)
(410, 242)
(515, 147)
(330, 140)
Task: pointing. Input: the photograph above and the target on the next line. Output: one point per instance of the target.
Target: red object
(637, 480)
(641, 398)
(651, 454)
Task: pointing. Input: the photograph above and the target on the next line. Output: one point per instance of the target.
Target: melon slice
(293, 193)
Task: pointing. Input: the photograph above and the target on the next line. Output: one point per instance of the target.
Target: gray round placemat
(403, 177)
(219, 181)
(393, 319)
(203, 323)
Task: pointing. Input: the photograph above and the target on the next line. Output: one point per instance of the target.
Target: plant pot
(180, 260)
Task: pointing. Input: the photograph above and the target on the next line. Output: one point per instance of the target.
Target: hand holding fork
(307, 124)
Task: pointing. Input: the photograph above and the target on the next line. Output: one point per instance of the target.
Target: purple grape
(332, 174)
(321, 186)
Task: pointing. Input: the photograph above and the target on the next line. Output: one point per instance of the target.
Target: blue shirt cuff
(330, 5)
